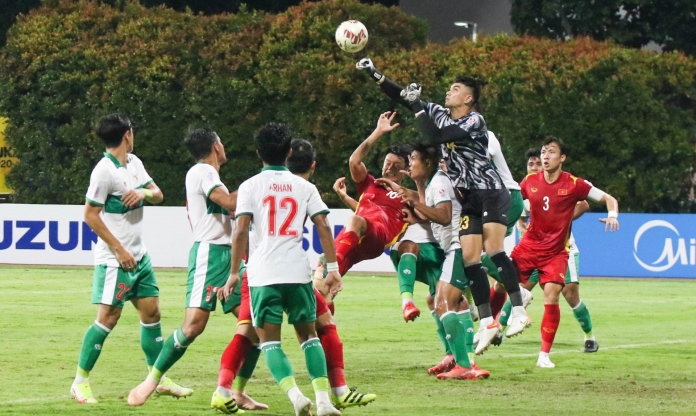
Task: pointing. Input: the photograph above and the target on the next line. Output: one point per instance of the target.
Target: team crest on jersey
(562, 192)
(534, 189)
(441, 191)
(471, 121)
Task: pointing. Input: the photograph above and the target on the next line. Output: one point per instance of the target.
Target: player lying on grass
(118, 187)
(208, 203)
(553, 196)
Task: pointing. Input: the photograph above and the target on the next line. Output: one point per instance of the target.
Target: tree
(633, 23)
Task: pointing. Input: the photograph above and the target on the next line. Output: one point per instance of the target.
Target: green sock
(278, 364)
(91, 348)
(505, 313)
(468, 296)
(151, 341)
(468, 323)
(456, 335)
(172, 351)
(492, 268)
(250, 360)
(582, 314)
(407, 273)
(441, 333)
(315, 358)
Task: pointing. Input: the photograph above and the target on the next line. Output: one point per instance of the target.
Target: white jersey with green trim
(210, 222)
(279, 203)
(109, 182)
(495, 152)
(440, 190)
(419, 233)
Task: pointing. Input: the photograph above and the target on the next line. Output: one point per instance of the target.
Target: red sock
(232, 359)
(497, 301)
(333, 349)
(549, 325)
(345, 242)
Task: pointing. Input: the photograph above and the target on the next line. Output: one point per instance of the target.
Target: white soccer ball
(351, 36)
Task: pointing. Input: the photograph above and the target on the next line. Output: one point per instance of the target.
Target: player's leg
(109, 286)
(406, 263)
(552, 280)
(447, 362)
(507, 307)
(571, 293)
(347, 240)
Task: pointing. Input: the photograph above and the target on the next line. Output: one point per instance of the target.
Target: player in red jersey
(553, 195)
(378, 221)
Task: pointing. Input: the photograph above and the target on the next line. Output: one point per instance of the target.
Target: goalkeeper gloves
(411, 94)
(368, 67)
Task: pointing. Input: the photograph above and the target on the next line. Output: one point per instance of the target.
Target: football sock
(279, 366)
(480, 288)
(345, 242)
(508, 275)
(549, 325)
(441, 333)
(497, 301)
(173, 349)
(505, 313)
(232, 359)
(491, 268)
(91, 348)
(467, 295)
(333, 351)
(245, 373)
(151, 341)
(316, 367)
(582, 315)
(468, 324)
(407, 274)
(456, 334)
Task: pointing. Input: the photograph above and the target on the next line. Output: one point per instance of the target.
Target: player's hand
(368, 67)
(412, 95)
(333, 282)
(340, 187)
(224, 292)
(133, 197)
(125, 259)
(409, 215)
(384, 124)
(610, 224)
(388, 184)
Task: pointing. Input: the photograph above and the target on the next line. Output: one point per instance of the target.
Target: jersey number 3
(546, 203)
(286, 203)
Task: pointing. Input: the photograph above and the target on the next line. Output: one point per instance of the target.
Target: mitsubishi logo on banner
(674, 249)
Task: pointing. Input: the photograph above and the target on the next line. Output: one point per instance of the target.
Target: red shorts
(380, 234)
(552, 268)
(244, 307)
(322, 307)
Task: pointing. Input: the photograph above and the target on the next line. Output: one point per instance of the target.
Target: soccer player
(276, 203)
(209, 204)
(118, 187)
(302, 162)
(462, 135)
(553, 196)
(436, 202)
(571, 290)
(378, 220)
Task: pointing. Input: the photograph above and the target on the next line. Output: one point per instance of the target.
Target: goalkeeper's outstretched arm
(389, 87)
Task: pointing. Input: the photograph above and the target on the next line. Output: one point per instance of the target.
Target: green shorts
(515, 211)
(269, 302)
(113, 286)
(572, 273)
(208, 270)
(453, 270)
(235, 298)
(428, 265)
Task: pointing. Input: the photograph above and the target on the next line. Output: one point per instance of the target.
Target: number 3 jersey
(551, 210)
(278, 203)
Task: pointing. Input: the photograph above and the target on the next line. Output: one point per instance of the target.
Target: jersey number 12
(286, 203)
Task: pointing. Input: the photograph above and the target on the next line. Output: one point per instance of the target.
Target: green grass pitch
(646, 362)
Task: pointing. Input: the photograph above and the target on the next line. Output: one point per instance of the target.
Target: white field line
(613, 347)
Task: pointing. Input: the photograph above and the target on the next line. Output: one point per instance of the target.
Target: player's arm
(239, 246)
(223, 198)
(389, 87)
(95, 222)
(333, 278)
(580, 208)
(611, 222)
(340, 189)
(358, 170)
(151, 193)
(440, 213)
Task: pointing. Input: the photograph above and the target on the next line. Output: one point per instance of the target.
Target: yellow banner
(6, 159)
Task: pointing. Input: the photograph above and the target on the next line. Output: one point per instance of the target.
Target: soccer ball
(351, 36)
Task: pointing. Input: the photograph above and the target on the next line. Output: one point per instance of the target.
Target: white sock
(339, 391)
(80, 379)
(518, 310)
(486, 321)
(592, 338)
(224, 392)
(543, 354)
(405, 301)
(294, 393)
(323, 397)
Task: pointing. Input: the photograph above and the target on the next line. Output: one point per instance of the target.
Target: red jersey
(551, 210)
(376, 200)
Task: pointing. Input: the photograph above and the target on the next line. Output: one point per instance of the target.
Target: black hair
(112, 128)
(302, 157)
(400, 150)
(430, 153)
(200, 142)
(475, 85)
(553, 139)
(533, 152)
(273, 143)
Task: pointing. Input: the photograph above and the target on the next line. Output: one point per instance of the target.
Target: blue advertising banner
(646, 245)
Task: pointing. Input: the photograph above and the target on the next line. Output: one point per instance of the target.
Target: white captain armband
(595, 194)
